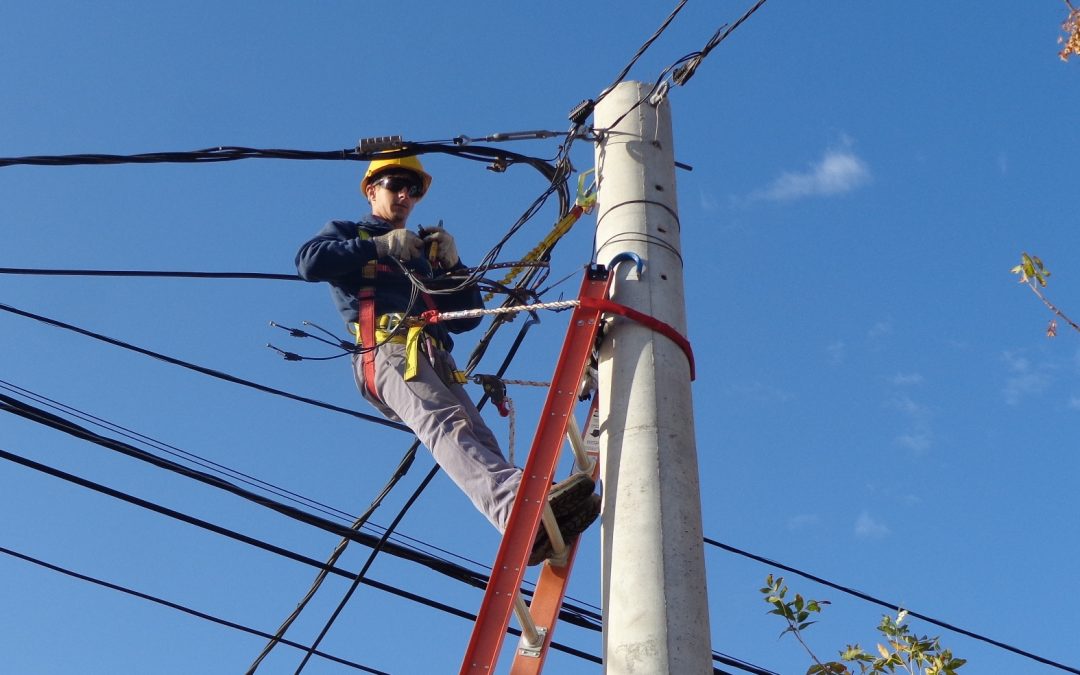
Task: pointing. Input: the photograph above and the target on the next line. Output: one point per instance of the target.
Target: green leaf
(855, 653)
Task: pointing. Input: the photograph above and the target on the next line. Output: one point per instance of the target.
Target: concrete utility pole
(656, 614)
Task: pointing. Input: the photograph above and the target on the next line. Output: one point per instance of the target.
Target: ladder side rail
(509, 567)
(550, 588)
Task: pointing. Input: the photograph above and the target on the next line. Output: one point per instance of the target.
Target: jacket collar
(375, 224)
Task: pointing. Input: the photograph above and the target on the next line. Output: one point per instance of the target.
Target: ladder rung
(532, 637)
(583, 461)
(558, 544)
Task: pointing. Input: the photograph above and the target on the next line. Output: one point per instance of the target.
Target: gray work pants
(445, 419)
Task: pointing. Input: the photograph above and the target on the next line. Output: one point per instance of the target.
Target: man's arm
(469, 298)
(335, 252)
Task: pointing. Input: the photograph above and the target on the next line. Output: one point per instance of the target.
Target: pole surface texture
(656, 615)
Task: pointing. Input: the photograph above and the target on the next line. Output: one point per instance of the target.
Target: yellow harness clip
(412, 351)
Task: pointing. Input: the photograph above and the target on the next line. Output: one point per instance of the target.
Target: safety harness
(374, 330)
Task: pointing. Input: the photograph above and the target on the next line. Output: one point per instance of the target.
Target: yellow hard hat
(410, 163)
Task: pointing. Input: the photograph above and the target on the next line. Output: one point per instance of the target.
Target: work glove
(445, 248)
(399, 243)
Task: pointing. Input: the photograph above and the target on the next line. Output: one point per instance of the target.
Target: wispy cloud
(839, 170)
(1024, 379)
(918, 441)
(880, 329)
(758, 391)
(708, 202)
(919, 437)
(837, 352)
(906, 404)
(803, 521)
(907, 379)
(868, 527)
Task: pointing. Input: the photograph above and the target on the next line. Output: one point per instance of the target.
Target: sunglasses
(399, 183)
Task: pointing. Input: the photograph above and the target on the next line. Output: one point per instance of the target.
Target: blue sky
(876, 400)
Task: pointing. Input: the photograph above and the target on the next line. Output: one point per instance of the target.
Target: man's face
(392, 196)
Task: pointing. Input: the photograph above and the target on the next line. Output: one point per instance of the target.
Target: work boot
(542, 549)
(569, 494)
(578, 521)
(570, 525)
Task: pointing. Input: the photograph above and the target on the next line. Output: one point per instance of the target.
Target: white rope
(473, 313)
(510, 407)
(527, 383)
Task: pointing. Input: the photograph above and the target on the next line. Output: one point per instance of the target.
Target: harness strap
(370, 334)
(366, 333)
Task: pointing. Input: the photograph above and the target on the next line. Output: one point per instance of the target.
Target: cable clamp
(586, 196)
(660, 94)
(378, 144)
(581, 111)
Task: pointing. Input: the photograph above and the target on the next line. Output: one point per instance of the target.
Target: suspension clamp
(378, 144)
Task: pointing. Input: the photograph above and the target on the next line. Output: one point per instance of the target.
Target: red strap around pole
(611, 307)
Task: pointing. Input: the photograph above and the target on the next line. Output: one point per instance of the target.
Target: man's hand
(446, 251)
(399, 243)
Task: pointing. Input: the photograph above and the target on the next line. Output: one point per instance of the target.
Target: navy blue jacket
(337, 255)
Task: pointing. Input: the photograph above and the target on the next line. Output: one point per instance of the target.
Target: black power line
(176, 606)
(229, 472)
(174, 451)
(475, 579)
(641, 50)
(889, 605)
(8, 404)
(396, 148)
(571, 613)
(202, 369)
(575, 616)
(148, 273)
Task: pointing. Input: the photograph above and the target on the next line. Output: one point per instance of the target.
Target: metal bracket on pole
(628, 256)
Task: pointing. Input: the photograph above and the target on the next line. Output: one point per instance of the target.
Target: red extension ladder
(503, 590)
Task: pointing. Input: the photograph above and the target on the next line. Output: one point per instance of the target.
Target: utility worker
(405, 369)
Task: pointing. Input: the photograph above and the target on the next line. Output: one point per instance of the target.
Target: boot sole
(567, 496)
(570, 527)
